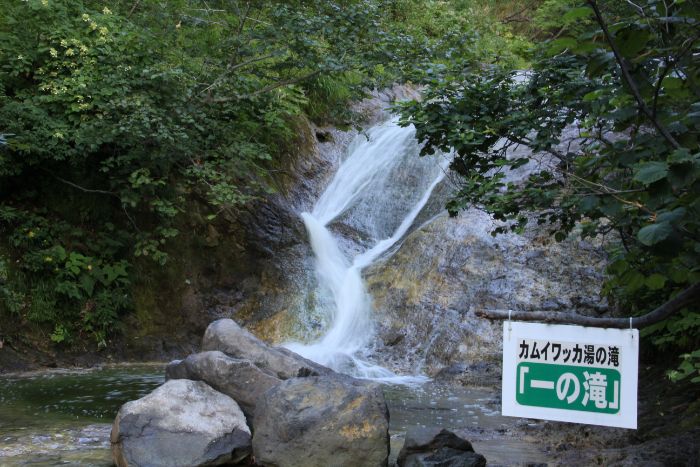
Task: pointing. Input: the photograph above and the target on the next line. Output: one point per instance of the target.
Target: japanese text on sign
(584, 375)
(568, 352)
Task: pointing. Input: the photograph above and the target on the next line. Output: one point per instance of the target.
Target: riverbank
(24, 357)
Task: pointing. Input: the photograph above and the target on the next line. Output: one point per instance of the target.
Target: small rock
(176, 370)
(213, 236)
(181, 423)
(322, 421)
(228, 337)
(324, 136)
(436, 447)
(393, 337)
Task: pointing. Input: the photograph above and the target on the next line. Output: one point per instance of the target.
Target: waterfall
(379, 190)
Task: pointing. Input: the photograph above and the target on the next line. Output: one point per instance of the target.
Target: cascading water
(379, 190)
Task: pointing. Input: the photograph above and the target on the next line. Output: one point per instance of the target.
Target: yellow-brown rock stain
(353, 432)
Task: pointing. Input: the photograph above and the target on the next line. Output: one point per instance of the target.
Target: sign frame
(626, 339)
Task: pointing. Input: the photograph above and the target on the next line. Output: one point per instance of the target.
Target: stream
(63, 417)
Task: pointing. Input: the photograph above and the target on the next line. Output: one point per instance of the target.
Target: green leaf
(559, 45)
(654, 233)
(650, 172)
(633, 280)
(87, 283)
(681, 156)
(633, 43)
(577, 13)
(656, 281)
(671, 216)
(588, 203)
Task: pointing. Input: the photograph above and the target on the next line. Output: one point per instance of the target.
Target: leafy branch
(627, 77)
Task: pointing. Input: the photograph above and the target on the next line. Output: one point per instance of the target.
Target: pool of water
(63, 417)
(473, 413)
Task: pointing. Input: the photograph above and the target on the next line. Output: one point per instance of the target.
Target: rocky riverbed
(63, 417)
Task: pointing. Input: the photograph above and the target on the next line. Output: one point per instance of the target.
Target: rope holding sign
(631, 333)
(510, 326)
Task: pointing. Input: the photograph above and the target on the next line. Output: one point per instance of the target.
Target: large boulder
(237, 378)
(322, 421)
(436, 447)
(181, 423)
(228, 337)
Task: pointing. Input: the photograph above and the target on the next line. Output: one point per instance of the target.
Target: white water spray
(368, 191)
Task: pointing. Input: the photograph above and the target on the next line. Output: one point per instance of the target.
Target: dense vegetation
(116, 115)
(611, 109)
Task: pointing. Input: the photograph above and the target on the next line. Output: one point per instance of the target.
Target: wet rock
(238, 379)
(322, 421)
(472, 374)
(181, 423)
(449, 268)
(228, 337)
(392, 337)
(436, 447)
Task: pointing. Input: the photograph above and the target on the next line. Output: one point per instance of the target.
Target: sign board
(570, 373)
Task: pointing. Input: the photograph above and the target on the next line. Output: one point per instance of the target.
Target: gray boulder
(322, 421)
(239, 379)
(176, 370)
(228, 337)
(436, 447)
(181, 423)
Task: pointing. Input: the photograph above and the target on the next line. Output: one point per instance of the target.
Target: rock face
(238, 379)
(228, 337)
(322, 421)
(181, 423)
(428, 290)
(435, 447)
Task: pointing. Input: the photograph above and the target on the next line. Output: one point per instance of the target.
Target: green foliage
(113, 118)
(115, 115)
(690, 366)
(612, 117)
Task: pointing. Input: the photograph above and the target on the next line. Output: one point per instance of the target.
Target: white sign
(570, 373)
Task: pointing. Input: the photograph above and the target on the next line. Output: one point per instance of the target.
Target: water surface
(473, 413)
(64, 417)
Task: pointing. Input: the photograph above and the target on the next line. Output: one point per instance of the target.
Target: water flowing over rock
(322, 421)
(181, 423)
(365, 197)
(386, 284)
(239, 379)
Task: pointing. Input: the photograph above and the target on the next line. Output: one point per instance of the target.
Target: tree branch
(627, 77)
(687, 297)
(83, 189)
(267, 88)
(100, 192)
(133, 8)
(231, 68)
